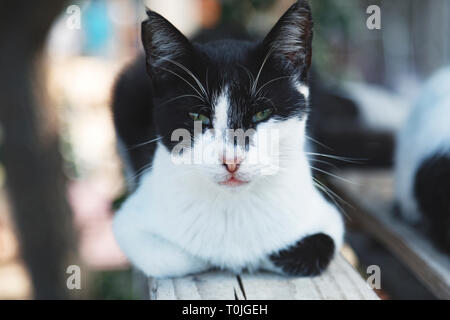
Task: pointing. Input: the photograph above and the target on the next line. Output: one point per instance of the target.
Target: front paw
(308, 257)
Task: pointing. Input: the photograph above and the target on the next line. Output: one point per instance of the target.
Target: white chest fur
(227, 228)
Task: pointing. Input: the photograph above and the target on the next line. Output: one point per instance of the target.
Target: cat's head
(231, 111)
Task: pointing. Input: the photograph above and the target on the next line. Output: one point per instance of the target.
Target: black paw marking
(308, 257)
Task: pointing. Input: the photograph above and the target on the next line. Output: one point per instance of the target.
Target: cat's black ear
(163, 43)
(290, 40)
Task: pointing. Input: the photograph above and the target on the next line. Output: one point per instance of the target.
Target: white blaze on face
(221, 108)
(220, 125)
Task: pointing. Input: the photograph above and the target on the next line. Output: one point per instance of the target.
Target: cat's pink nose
(232, 165)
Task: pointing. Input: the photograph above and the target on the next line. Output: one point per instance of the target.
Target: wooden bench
(339, 282)
(371, 194)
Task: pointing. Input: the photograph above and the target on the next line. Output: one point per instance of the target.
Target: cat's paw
(309, 256)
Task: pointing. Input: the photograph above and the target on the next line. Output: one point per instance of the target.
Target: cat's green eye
(262, 115)
(200, 117)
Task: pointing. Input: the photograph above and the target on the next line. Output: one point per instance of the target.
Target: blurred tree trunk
(30, 154)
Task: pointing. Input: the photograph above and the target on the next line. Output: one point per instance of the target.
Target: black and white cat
(423, 161)
(256, 209)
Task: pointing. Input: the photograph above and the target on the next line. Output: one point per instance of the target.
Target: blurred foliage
(112, 285)
(330, 15)
(238, 11)
(333, 23)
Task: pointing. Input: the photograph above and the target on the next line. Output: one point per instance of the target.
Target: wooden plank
(371, 192)
(339, 282)
(205, 286)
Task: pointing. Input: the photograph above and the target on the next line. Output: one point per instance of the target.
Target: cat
(422, 161)
(225, 212)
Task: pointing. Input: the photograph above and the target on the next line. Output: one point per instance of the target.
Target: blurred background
(79, 49)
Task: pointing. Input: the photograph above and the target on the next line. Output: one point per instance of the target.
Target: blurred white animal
(422, 164)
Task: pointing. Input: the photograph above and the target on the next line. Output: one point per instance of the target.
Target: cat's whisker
(343, 159)
(190, 73)
(269, 82)
(207, 81)
(249, 74)
(180, 97)
(318, 142)
(333, 175)
(332, 195)
(138, 174)
(145, 143)
(268, 99)
(324, 162)
(255, 83)
(187, 82)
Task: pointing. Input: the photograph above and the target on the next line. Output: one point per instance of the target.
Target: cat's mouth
(233, 182)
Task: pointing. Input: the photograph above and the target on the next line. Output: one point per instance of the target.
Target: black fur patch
(432, 191)
(308, 257)
(132, 113)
